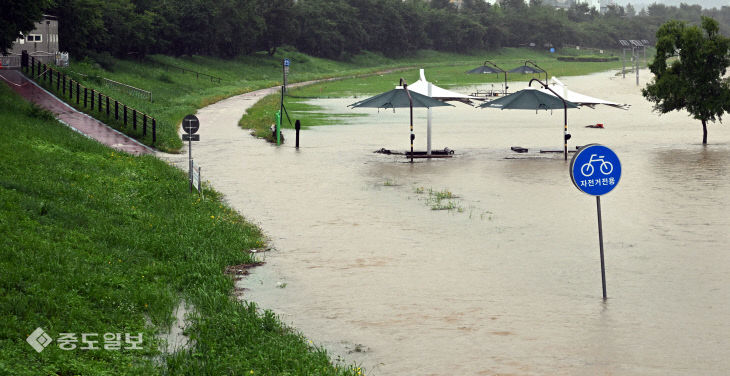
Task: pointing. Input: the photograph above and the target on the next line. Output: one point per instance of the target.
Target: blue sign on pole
(552, 50)
(595, 170)
(286, 62)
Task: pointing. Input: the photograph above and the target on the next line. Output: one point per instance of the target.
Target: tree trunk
(704, 132)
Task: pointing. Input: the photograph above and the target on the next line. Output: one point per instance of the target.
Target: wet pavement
(76, 120)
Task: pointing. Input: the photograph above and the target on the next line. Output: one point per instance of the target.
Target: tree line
(338, 29)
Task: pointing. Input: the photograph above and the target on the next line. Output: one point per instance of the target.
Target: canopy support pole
(428, 129)
(565, 115)
(410, 102)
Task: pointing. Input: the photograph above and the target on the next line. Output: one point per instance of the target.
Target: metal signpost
(286, 71)
(596, 170)
(190, 125)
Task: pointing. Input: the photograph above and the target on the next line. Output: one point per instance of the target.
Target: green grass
(97, 241)
(443, 69)
(176, 93)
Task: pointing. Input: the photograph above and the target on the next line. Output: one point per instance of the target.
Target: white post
(428, 129)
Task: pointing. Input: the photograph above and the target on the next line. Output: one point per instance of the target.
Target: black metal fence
(197, 74)
(90, 99)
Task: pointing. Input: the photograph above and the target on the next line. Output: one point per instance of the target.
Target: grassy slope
(176, 94)
(95, 241)
(446, 70)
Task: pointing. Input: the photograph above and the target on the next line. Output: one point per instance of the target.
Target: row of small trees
(337, 28)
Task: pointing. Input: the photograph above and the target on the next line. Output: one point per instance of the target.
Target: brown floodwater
(508, 281)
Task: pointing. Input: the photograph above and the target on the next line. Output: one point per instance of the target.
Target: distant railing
(185, 70)
(128, 88)
(89, 98)
(9, 61)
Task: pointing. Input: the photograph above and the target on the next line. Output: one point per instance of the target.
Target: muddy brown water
(509, 281)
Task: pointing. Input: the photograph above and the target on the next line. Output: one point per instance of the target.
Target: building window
(34, 38)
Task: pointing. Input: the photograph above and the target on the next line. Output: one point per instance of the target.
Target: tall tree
(695, 81)
(19, 16)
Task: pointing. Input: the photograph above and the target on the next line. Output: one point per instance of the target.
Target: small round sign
(595, 170)
(287, 62)
(190, 124)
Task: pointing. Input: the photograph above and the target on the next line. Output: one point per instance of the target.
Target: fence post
(78, 92)
(24, 61)
(70, 89)
(92, 99)
(134, 119)
(154, 131)
(45, 71)
(125, 115)
(32, 66)
(116, 110)
(99, 102)
(64, 85)
(58, 80)
(144, 125)
(85, 94)
(107, 105)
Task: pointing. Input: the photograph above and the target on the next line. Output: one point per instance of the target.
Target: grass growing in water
(95, 241)
(440, 200)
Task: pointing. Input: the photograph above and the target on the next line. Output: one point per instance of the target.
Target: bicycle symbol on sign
(587, 169)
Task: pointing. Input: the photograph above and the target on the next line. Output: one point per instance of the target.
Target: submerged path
(68, 115)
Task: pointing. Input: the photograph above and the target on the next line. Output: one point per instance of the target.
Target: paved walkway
(68, 115)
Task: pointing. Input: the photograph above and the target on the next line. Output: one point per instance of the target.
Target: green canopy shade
(524, 69)
(484, 70)
(398, 98)
(529, 99)
(533, 99)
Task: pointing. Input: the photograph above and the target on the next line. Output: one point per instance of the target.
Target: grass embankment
(445, 70)
(176, 93)
(95, 241)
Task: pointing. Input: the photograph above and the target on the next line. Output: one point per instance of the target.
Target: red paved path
(79, 121)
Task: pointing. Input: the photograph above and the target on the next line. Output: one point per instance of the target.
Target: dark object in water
(519, 149)
(445, 153)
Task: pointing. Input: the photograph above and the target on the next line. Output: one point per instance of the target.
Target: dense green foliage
(696, 81)
(97, 241)
(18, 16)
(339, 29)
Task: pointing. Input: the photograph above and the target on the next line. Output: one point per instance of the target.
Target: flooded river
(507, 281)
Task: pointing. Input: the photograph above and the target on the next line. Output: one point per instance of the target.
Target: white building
(591, 3)
(41, 43)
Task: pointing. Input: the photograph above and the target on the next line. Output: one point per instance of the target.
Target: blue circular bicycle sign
(595, 169)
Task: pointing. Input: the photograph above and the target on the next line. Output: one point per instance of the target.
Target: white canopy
(421, 87)
(577, 98)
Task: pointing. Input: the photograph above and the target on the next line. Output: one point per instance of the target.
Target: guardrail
(185, 70)
(128, 88)
(89, 98)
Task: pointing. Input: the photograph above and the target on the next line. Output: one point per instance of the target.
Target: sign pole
(596, 170)
(600, 242)
(190, 125)
(278, 120)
